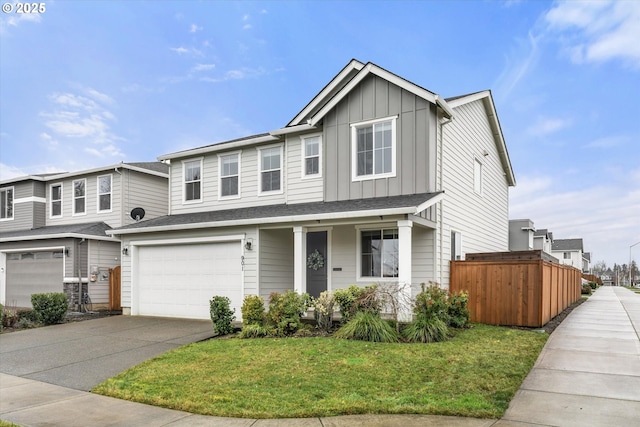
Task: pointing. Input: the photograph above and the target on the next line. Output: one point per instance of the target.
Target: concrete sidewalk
(588, 374)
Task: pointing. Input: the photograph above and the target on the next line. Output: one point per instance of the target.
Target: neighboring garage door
(180, 280)
(33, 273)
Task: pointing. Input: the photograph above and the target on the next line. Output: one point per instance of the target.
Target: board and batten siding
(415, 165)
(482, 219)
(104, 255)
(276, 261)
(250, 257)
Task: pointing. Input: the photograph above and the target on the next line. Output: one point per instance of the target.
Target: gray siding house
(52, 227)
(375, 180)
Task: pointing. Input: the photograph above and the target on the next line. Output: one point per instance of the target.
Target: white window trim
(13, 202)
(234, 196)
(458, 253)
(55, 184)
(99, 194)
(354, 149)
(303, 157)
(281, 189)
(184, 175)
(73, 196)
(371, 227)
(478, 161)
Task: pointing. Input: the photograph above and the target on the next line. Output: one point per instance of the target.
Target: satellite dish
(137, 214)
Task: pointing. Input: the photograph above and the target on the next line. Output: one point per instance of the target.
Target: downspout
(443, 121)
(77, 262)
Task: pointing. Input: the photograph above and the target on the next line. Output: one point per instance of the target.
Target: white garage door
(180, 280)
(33, 273)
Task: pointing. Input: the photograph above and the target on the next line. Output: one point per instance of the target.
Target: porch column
(299, 264)
(404, 265)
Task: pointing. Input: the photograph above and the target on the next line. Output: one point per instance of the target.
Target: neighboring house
(569, 252)
(586, 262)
(52, 227)
(376, 180)
(521, 232)
(543, 240)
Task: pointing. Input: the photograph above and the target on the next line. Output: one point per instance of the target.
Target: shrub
(458, 311)
(25, 323)
(586, 289)
(426, 330)
(432, 302)
(221, 315)
(253, 310)
(593, 285)
(50, 308)
(323, 310)
(367, 326)
(355, 299)
(8, 317)
(29, 315)
(254, 330)
(286, 310)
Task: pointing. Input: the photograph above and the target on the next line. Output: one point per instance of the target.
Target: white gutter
(58, 236)
(219, 147)
(412, 210)
(293, 129)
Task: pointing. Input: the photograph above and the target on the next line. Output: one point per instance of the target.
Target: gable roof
(286, 213)
(90, 230)
(219, 146)
(487, 99)
(567, 245)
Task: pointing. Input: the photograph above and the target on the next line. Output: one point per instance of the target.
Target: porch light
(248, 244)
(125, 250)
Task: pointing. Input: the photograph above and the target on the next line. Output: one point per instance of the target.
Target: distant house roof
(567, 245)
(543, 232)
(587, 256)
(393, 205)
(90, 230)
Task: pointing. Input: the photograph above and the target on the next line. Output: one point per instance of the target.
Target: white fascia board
(59, 236)
(293, 129)
(23, 178)
(222, 146)
(272, 220)
(105, 169)
(432, 201)
(353, 65)
(145, 171)
(384, 74)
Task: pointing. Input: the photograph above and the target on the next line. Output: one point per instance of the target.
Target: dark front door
(316, 274)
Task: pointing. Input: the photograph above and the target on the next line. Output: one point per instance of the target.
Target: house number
(242, 262)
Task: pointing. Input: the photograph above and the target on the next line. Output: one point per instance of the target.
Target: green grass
(475, 374)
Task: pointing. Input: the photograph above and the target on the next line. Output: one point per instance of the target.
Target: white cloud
(598, 31)
(546, 126)
(181, 50)
(607, 142)
(239, 74)
(195, 28)
(518, 64)
(203, 67)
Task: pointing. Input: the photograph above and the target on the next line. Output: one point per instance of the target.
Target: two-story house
(375, 180)
(569, 252)
(521, 235)
(543, 240)
(52, 228)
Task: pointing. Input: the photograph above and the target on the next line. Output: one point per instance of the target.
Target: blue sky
(93, 83)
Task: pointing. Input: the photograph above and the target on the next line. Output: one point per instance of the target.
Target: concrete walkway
(588, 374)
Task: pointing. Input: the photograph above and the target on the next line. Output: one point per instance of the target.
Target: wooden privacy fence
(524, 292)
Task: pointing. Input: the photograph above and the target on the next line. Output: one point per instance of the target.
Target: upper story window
(477, 176)
(79, 196)
(456, 246)
(567, 255)
(104, 193)
(373, 145)
(270, 169)
(311, 160)
(229, 166)
(6, 203)
(55, 198)
(192, 172)
(379, 253)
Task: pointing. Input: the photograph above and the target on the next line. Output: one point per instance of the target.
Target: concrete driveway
(81, 355)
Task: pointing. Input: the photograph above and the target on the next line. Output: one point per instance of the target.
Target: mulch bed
(73, 317)
(556, 321)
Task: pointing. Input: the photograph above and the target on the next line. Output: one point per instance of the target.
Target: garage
(33, 272)
(179, 280)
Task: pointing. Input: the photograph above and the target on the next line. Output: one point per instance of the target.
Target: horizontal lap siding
(105, 256)
(276, 261)
(343, 257)
(299, 190)
(482, 219)
(515, 293)
(145, 191)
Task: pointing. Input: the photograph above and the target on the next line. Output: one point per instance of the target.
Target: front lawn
(475, 375)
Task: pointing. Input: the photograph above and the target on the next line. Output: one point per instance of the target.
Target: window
(79, 196)
(567, 255)
(379, 253)
(6, 203)
(373, 145)
(270, 169)
(456, 246)
(311, 156)
(56, 200)
(477, 176)
(192, 180)
(229, 166)
(104, 193)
